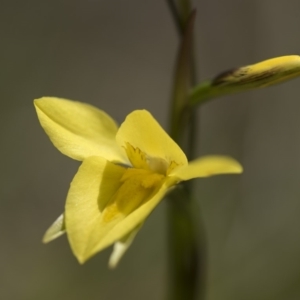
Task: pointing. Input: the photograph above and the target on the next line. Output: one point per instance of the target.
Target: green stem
(186, 254)
(175, 15)
(206, 91)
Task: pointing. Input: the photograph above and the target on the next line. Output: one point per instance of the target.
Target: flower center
(139, 183)
(141, 160)
(137, 187)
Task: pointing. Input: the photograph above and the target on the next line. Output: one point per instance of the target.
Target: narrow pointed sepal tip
(238, 169)
(55, 230)
(120, 248)
(38, 103)
(232, 165)
(116, 255)
(81, 260)
(49, 238)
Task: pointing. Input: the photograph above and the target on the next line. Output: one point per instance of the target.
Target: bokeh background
(119, 55)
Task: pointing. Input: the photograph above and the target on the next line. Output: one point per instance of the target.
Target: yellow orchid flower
(125, 173)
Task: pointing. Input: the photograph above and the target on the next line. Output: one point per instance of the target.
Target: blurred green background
(119, 55)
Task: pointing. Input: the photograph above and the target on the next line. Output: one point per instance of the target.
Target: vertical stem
(186, 254)
(183, 246)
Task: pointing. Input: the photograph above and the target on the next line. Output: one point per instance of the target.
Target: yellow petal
(79, 130)
(98, 241)
(106, 202)
(121, 246)
(141, 131)
(207, 166)
(92, 187)
(55, 230)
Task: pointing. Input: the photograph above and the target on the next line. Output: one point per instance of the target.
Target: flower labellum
(125, 172)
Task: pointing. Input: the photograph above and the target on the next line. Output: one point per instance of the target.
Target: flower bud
(262, 74)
